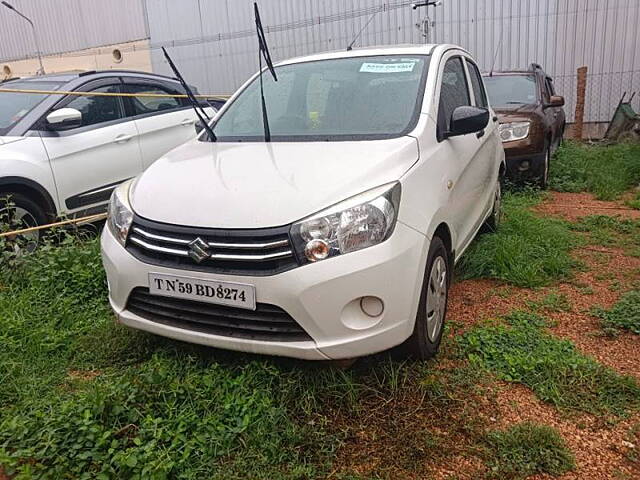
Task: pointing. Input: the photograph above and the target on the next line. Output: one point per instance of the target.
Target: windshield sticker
(387, 67)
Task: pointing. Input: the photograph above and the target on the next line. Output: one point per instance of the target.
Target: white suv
(338, 238)
(65, 154)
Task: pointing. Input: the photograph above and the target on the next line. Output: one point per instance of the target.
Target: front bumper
(323, 298)
(524, 158)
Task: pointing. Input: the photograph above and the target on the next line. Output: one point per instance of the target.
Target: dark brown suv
(532, 121)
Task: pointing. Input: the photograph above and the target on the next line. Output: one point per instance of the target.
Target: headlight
(120, 214)
(356, 223)
(514, 131)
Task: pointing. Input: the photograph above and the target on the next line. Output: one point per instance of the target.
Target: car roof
(68, 77)
(406, 49)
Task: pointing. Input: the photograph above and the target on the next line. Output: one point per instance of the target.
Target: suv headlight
(120, 214)
(353, 224)
(514, 131)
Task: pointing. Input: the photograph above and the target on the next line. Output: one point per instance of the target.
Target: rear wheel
(432, 309)
(18, 212)
(492, 223)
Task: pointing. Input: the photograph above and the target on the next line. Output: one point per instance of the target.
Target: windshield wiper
(263, 50)
(200, 112)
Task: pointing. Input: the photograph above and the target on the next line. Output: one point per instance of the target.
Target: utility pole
(426, 24)
(35, 36)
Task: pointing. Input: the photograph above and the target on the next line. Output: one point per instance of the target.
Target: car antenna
(200, 112)
(350, 47)
(495, 56)
(263, 50)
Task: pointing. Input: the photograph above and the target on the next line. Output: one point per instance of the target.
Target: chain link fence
(604, 91)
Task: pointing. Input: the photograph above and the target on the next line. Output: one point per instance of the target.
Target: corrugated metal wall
(68, 25)
(213, 40)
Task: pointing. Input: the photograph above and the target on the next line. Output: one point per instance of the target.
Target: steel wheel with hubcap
(492, 222)
(432, 309)
(436, 298)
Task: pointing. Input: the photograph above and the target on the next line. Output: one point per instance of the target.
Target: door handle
(480, 134)
(186, 123)
(123, 138)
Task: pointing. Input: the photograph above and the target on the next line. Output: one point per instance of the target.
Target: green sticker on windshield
(387, 67)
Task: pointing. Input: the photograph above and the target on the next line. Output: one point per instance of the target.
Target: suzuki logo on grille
(199, 250)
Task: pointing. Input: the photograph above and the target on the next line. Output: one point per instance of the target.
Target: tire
(19, 211)
(543, 177)
(492, 222)
(425, 340)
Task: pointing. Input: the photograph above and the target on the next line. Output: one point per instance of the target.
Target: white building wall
(213, 41)
(69, 26)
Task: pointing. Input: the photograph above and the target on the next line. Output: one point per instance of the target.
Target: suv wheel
(543, 179)
(432, 309)
(18, 211)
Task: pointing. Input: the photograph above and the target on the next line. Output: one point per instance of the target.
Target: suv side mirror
(556, 101)
(64, 119)
(467, 119)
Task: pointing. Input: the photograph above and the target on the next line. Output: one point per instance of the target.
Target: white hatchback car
(338, 238)
(65, 154)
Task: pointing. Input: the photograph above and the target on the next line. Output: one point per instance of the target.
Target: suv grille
(266, 322)
(244, 252)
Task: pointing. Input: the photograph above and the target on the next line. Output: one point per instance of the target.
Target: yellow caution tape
(88, 219)
(107, 94)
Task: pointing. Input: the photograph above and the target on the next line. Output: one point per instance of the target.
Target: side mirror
(64, 119)
(556, 101)
(198, 127)
(467, 119)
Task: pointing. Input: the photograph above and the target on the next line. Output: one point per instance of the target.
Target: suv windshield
(357, 98)
(511, 89)
(14, 106)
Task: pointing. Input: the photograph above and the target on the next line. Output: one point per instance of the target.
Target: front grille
(266, 322)
(239, 251)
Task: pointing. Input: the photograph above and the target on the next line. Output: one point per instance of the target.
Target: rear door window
(454, 92)
(479, 93)
(145, 105)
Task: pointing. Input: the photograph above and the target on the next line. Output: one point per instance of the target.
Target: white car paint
(285, 177)
(259, 185)
(82, 161)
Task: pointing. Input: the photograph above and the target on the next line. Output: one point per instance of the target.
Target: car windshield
(14, 106)
(355, 98)
(511, 89)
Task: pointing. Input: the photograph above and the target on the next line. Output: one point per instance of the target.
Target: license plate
(210, 291)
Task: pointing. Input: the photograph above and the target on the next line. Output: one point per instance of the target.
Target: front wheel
(432, 309)
(543, 178)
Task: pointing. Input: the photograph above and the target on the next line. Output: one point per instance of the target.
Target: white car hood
(254, 185)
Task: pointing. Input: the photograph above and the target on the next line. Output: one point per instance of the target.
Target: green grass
(605, 171)
(552, 302)
(634, 202)
(624, 315)
(611, 231)
(528, 449)
(157, 409)
(519, 350)
(526, 251)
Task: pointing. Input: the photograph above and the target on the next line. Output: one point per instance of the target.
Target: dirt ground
(602, 450)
